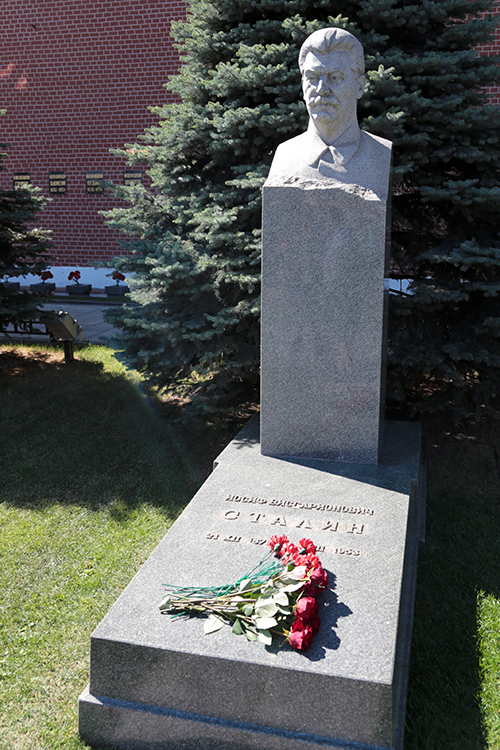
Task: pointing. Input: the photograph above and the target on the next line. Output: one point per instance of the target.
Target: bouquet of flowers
(277, 597)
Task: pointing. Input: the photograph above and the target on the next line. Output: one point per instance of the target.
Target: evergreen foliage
(195, 237)
(23, 248)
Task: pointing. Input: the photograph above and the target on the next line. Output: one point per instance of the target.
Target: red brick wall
(76, 79)
(486, 50)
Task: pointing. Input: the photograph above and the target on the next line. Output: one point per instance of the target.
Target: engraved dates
(261, 542)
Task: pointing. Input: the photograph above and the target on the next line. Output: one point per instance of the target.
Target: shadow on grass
(461, 558)
(79, 434)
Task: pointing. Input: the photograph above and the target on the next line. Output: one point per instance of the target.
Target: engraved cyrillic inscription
(355, 528)
(57, 183)
(132, 177)
(21, 178)
(231, 515)
(330, 526)
(325, 507)
(94, 182)
(305, 524)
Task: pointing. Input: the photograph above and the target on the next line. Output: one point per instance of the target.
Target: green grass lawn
(92, 474)
(454, 694)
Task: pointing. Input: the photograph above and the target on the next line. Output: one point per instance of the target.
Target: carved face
(331, 87)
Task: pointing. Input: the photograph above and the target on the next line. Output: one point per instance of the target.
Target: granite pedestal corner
(158, 682)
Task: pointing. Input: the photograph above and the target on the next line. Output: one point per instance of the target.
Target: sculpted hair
(324, 41)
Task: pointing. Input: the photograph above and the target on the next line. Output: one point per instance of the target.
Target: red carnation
(288, 552)
(310, 561)
(277, 543)
(307, 545)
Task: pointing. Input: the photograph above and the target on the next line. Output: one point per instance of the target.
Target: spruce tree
(195, 236)
(23, 248)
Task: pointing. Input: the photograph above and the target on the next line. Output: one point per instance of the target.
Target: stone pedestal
(323, 320)
(158, 682)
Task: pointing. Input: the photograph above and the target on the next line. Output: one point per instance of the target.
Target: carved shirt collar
(321, 156)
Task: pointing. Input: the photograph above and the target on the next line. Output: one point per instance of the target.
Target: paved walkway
(89, 316)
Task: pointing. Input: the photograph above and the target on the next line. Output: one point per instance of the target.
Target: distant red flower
(46, 275)
(75, 276)
(117, 276)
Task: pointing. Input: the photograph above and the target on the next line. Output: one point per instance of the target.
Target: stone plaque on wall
(57, 183)
(94, 182)
(21, 178)
(132, 177)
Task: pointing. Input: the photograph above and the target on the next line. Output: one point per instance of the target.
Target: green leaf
(265, 637)
(250, 635)
(248, 610)
(245, 585)
(265, 608)
(293, 586)
(237, 628)
(165, 604)
(298, 573)
(263, 623)
(281, 598)
(212, 624)
(285, 611)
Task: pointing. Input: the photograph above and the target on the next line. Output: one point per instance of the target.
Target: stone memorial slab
(158, 682)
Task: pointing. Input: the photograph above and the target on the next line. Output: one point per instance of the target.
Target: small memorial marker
(132, 177)
(94, 182)
(21, 178)
(57, 183)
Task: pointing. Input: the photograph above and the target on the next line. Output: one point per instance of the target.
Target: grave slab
(159, 682)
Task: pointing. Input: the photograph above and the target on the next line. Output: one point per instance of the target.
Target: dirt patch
(23, 360)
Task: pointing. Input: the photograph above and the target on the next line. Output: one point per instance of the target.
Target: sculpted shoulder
(290, 156)
(369, 167)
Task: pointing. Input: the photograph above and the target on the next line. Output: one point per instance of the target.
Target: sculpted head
(332, 65)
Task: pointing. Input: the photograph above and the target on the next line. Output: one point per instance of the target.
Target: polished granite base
(158, 682)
